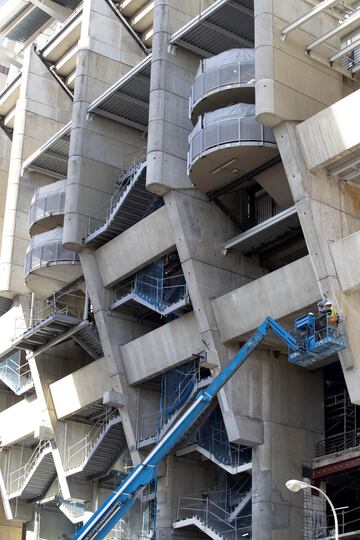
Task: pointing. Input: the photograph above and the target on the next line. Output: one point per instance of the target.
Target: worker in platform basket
(332, 318)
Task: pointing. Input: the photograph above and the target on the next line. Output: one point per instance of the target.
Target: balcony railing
(338, 443)
(47, 201)
(227, 127)
(231, 69)
(46, 249)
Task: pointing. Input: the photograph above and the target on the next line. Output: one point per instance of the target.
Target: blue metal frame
(116, 506)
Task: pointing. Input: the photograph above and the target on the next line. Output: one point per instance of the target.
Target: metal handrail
(10, 369)
(103, 213)
(212, 136)
(24, 472)
(45, 211)
(58, 254)
(49, 308)
(86, 445)
(346, 525)
(337, 443)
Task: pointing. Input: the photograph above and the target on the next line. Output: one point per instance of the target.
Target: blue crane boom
(117, 504)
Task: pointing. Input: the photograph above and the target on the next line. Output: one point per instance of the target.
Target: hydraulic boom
(116, 506)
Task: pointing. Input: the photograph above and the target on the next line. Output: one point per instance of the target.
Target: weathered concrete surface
(82, 387)
(162, 349)
(19, 421)
(143, 243)
(331, 134)
(278, 294)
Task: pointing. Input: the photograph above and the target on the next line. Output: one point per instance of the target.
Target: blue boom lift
(313, 338)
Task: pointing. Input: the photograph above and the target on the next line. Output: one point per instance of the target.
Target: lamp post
(297, 485)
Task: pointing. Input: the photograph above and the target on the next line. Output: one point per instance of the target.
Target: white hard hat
(328, 303)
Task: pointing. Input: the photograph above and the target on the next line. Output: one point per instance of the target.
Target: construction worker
(332, 317)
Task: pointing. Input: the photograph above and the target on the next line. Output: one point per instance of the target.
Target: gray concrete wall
(282, 90)
(279, 294)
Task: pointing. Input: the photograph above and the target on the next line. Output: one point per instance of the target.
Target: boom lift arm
(116, 506)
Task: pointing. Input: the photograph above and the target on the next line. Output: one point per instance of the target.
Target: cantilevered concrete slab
(144, 242)
(19, 421)
(331, 134)
(277, 294)
(83, 387)
(168, 346)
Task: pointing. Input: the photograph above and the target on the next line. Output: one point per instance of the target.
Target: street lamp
(297, 485)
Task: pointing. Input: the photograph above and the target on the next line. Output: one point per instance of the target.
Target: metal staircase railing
(162, 295)
(15, 375)
(19, 478)
(211, 517)
(105, 213)
(79, 453)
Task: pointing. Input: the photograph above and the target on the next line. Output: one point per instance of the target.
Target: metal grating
(265, 232)
(28, 25)
(53, 156)
(5, 304)
(225, 25)
(127, 101)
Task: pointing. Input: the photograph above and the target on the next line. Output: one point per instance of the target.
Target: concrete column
(290, 397)
(172, 72)
(98, 146)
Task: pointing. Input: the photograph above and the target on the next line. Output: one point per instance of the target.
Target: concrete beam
(53, 9)
(277, 294)
(162, 349)
(19, 421)
(143, 243)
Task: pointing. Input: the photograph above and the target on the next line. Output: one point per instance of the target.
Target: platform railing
(338, 443)
(71, 304)
(19, 477)
(241, 72)
(46, 253)
(227, 130)
(47, 203)
(349, 522)
(79, 452)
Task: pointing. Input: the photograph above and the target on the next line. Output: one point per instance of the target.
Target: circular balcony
(227, 143)
(47, 207)
(48, 265)
(221, 80)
